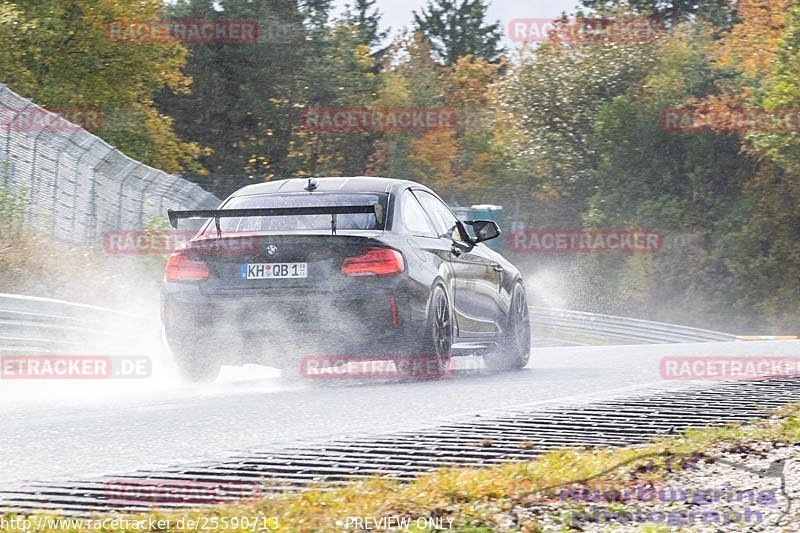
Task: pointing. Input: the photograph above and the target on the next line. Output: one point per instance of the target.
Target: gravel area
(753, 487)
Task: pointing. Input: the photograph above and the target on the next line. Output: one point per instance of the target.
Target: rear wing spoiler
(217, 214)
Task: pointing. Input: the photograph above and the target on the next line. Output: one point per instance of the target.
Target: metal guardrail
(30, 324)
(579, 324)
(46, 325)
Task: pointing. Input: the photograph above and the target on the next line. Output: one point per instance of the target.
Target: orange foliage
(750, 47)
(434, 153)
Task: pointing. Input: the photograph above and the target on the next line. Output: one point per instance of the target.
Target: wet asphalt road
(68, 429)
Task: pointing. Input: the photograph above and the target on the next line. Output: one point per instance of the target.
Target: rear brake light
(375, 262)
(181, 268)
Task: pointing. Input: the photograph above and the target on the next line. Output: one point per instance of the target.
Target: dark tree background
(456, 28)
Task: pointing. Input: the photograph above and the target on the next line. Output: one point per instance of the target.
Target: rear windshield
(303, 222)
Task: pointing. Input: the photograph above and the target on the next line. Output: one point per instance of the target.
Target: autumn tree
(242, 104)
(462, 157)
(410, 79)
(552, 98)
(59, 54)
(764, 253)
(688, 184)
(345, 80)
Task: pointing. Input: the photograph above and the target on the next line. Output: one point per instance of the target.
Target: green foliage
(554, 96)
(57, 53)
(764, 257)
(366, 18)
(590, 133)
(243, 94)
(12, 214)
(457, 28)
(248, 97)
(780, 91)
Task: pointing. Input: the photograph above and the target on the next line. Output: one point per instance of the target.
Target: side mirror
(484, 230)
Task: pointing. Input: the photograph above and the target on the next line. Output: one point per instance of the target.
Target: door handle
(497, 267)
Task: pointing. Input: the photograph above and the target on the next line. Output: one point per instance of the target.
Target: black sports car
(364, 266)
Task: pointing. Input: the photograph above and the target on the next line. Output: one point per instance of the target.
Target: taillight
(375, 262)
(181, 268)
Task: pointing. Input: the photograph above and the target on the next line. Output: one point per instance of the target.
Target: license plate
(274, 270)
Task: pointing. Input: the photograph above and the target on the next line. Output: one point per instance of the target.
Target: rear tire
(194, 364)
(513, 349)
(436, 342)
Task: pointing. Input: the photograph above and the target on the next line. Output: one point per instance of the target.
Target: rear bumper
(247, 326)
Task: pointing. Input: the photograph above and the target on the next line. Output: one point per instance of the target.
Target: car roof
(328, 184)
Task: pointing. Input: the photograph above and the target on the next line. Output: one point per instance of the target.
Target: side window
(444, 219)
(414, 218)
